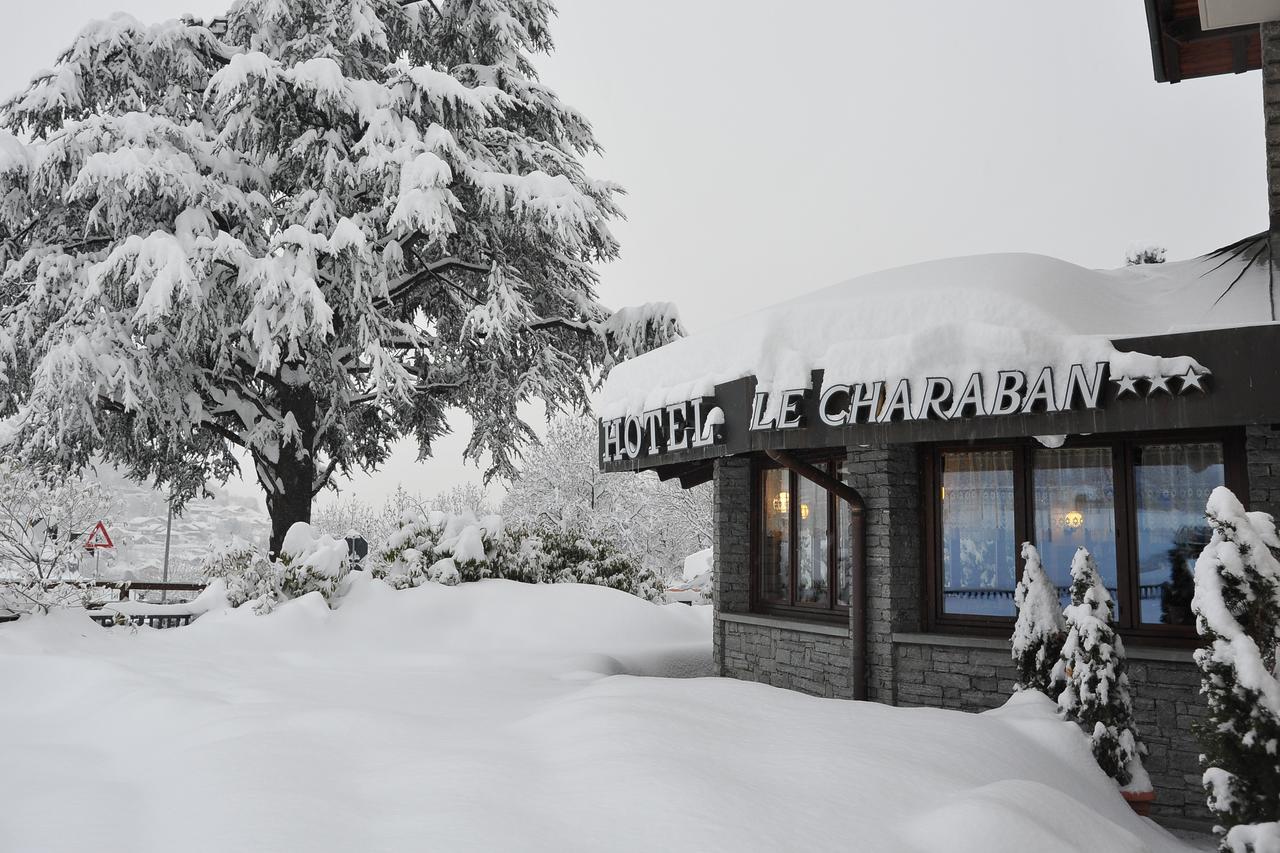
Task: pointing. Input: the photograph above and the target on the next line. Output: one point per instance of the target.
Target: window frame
(1235, 475)
(831, 611)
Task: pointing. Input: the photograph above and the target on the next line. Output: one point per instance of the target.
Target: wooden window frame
(830, 611)
(1235, 474)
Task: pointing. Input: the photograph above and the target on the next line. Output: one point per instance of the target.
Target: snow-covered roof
(950, 318)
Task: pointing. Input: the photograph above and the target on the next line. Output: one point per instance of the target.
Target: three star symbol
(1129, 384)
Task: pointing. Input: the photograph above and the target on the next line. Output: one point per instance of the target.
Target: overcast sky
(773, 148)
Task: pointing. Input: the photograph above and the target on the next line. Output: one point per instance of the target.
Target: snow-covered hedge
(452, 548)
(442, 547)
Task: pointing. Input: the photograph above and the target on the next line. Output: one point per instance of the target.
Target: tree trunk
(289, 497)
(290, 506)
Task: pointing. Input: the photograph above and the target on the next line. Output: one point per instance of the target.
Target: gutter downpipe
(858, 605)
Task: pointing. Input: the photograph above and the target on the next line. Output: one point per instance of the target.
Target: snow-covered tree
(375, 523)
(303, 232)
(45, 517)
(1093, 668)
(1144, 253)
(1040, 630)
(1237, 607)
(463, 498)
(561, 488)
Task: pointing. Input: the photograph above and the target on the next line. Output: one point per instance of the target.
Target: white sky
(769, 149)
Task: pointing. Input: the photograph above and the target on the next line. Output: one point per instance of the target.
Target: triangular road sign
(99, 538)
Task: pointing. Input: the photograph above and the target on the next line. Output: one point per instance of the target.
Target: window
(805, 548)
(1136, 503)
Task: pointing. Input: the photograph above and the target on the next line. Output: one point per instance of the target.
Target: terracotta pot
(1140, 801)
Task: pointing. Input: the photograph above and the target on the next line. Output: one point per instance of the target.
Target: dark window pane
(847, 550)
(1074, 501)
(978, 547)
(812, 570)
(1172, 483)
(775, 539)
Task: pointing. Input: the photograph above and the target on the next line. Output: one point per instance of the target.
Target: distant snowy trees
(1039, 632)
(560, 488)
(1144, 253)
(45, 517)
(1237, 607)
(303, 235)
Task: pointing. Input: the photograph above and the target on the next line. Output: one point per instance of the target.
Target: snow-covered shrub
(453, 548)
(1093, 668)
(45, 516)
(439, 546)
(308, 562)
(550, 556)
(243, 567)
(1237, 607)
(1040, 631)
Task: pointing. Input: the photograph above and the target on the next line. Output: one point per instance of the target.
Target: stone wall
(810, 658)
(976, 674)
(888, 478)
(1262, 451)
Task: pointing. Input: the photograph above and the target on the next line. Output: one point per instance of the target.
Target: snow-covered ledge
(1132, 651)
(785, 624)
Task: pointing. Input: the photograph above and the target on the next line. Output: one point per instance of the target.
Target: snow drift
(503, 716)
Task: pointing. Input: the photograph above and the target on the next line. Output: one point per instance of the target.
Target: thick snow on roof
(951, 318)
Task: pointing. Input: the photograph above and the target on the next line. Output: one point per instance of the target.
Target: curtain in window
(1074, 504)
(812, 584)
(847, 550)
(775, 536)
(1172, 483)
(978, 537)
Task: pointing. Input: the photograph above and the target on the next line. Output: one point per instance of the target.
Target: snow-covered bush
(309, 561)
(1092, 666)
(438, 546)
(556, 556)
(45, 517)
(451, 549)
(1040, 631)
(243, 567)
(1237, 607)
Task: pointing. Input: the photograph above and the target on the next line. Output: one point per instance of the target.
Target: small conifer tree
(1040, 631)
(1237, 607)
(1093, 667)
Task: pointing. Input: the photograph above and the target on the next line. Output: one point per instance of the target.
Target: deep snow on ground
(502, 716)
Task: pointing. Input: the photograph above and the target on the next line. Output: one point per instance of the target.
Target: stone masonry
(976, 674)
(905, 667)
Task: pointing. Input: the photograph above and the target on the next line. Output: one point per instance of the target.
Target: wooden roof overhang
(1243, 388)
(1181, 50)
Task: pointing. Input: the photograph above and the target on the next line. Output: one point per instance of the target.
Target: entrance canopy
(977, 347)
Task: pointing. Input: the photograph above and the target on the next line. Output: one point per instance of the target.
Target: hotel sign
(1001, 393)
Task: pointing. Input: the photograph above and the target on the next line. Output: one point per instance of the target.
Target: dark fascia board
(1156, 33)
(1244, 388)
